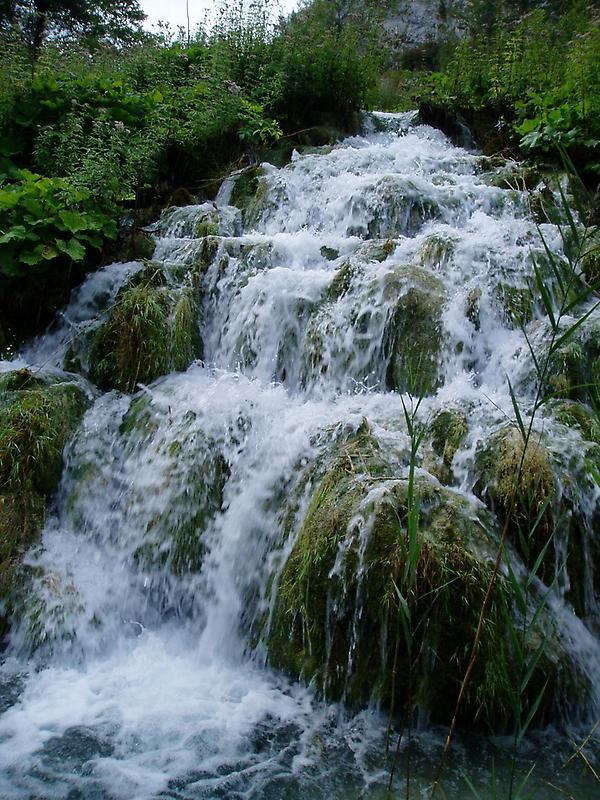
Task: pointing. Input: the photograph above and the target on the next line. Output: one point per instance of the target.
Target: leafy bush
(46, 220)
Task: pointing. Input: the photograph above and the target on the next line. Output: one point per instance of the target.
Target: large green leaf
(72, 248)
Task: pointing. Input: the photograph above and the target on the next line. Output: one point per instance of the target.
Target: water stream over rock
(229, 527)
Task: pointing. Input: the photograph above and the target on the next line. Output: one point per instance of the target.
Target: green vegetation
(152, 329)
(37, 417)
(97, 119)
(336, 612)
(530, 83)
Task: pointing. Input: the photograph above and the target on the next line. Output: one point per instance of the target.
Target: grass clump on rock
(335, 617)
(415, 333)
(518, 483)
(152, 329)
(37, 417)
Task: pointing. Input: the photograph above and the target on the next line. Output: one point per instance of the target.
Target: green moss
(574, 371)
(181, 197)
(21, 519)
(151, 330)
(246, 186)
(140, 246)
(207, 227)
(208, 253)
(342, 281)
(377, 250)
(516, 303)
(186, 344)
(37, 417)
(133, 345)
(21, 379)
(591, 267)
(518, 483)
(448, 430)
(580, 416)
(472, 310)
(34, 426)
(329, 253)
(436, 251)
(139, 419)
(335, 618)
(415, 333)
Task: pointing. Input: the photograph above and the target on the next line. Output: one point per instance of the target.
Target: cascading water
(136, 664)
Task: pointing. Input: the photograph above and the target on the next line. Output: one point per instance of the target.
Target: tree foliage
(94, 22)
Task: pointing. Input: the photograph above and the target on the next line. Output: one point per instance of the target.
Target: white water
(143, 682)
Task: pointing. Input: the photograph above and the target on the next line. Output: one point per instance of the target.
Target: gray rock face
(415, 22)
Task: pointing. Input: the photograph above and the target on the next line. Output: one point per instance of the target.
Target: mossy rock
(437, 251)
(401, 210)
(329, 253)
(578, 415)
(35, 423)
(335, 615)
(250, 193)
(21, 379)
(207, 253)
(516, 303)
(415, 334)
(37, 417)
(193, 477)
(519, 485)
(245, 187)
(590, 263)
(181, 197)
(151, 330)
(22, 517)
(140, 246)
(378, 250)
(343, 280)
(574, 371)
(447, 431)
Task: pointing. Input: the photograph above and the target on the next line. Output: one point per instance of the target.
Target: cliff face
(415, 22)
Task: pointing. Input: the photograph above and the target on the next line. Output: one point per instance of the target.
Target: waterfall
(138, 664)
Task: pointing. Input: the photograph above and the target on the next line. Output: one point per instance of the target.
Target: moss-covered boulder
(579, 416)
(336, 613)
(436, 251)
(152, 329)
(591, 265)
(516, 303)
(250, 193)
(574, 371)
(335, 620)
(415, 333)
(447, 431)
(518, 484)
(38, 414)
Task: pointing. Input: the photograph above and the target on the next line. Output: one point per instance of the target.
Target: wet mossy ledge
(334, 618)
(38, 415)
(151, 329)
(193, 482)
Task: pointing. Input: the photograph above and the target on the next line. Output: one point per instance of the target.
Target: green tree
(94, 22)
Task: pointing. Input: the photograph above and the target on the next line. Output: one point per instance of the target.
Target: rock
(415, 334)
(448, 430)
(336, 615)
(574, 370)
(329, 253)
(518, 484)
(516, 302)
(38, 415)
(152, 329)
(181, 197)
